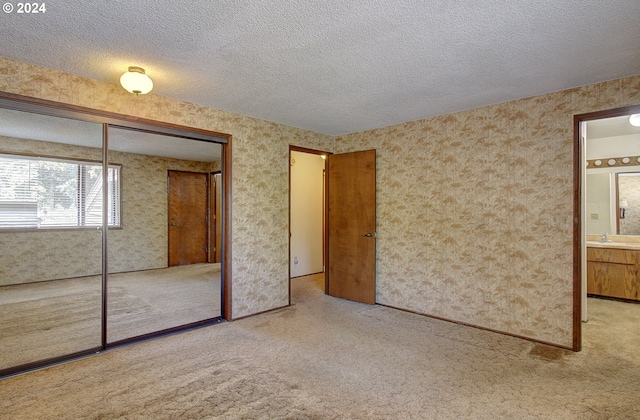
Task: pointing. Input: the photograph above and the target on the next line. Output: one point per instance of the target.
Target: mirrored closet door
(50, 237)
(110, 231)
(162, 268)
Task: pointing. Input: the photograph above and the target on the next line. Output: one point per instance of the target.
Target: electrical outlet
(295, 260)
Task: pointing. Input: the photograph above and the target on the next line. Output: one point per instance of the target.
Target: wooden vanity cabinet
(613, 272)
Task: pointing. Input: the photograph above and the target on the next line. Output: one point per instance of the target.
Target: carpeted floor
(326, 358)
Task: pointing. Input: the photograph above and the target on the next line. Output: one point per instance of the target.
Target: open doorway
(345, 197)
(307, 217)
(607, 289)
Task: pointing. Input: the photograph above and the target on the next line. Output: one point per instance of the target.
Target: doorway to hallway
(348, 222)
(307, 213)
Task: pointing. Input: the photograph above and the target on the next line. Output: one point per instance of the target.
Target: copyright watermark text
(24, 8)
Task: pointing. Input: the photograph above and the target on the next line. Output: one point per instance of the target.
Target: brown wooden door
(188, 230)
(352, 226)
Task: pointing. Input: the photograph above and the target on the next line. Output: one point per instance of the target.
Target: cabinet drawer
(612, 255)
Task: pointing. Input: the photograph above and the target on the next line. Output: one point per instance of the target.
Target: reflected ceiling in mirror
(153, 144)
(24, 125)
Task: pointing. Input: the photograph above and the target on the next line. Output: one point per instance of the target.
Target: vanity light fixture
(135, 81)
(634, 120)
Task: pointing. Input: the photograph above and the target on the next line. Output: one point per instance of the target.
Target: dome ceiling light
(136, 81)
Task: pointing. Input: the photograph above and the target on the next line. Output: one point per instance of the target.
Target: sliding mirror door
(50, 238)
(161, 255)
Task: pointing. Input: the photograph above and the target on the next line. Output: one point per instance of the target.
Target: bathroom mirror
(612, 153)
(613, 203)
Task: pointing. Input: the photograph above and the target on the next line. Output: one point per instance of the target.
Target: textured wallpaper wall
(260, 176)
(475, 210)
(141, 244)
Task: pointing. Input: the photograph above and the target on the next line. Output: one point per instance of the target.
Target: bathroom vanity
(613, 269)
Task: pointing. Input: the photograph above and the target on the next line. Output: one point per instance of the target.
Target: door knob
(369, 235)
(174, 224)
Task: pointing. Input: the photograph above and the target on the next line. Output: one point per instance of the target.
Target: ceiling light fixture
(135, 81)
(634, 120)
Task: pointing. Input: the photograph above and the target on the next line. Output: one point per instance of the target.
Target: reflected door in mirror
(188, 211)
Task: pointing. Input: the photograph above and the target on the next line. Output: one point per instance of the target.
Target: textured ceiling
(336, 66)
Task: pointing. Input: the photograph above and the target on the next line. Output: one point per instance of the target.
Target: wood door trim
(226, 282)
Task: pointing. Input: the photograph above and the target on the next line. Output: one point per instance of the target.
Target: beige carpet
(326, 358)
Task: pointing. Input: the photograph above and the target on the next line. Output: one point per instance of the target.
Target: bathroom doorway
(607, 256)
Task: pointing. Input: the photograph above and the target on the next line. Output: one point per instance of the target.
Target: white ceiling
(336, 66)
(611, 127)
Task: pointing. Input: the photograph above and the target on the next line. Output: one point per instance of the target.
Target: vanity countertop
(618, 245)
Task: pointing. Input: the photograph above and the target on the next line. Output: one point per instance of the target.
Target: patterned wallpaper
(474, 208)
(141, 244)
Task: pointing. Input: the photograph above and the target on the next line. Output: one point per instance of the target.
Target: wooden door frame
(578, 167)
(325, 204)
(226, 282)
